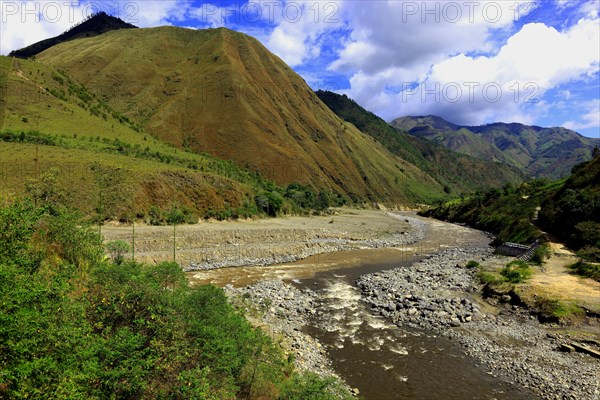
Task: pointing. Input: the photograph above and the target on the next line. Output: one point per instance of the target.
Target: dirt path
(556, 280)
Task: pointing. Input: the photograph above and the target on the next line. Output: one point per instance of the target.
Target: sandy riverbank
(211, 245)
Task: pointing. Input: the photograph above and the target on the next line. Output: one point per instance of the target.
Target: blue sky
(471, 62)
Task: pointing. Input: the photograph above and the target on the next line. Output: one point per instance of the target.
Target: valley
(185, 214)
(343, 301)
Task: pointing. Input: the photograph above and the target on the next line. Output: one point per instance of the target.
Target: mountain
(540, 152)
(103, 163)
(457, 172)
(96, 24)
(220, 92)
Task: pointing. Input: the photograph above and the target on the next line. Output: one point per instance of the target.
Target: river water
(382, 360)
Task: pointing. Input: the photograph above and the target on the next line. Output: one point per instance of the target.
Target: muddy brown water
(382, 360)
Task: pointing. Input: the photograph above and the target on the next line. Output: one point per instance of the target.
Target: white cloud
(461, 75)
(153, 13)
(418, 34)
(591, 118)
(300, 25)
(27, 22)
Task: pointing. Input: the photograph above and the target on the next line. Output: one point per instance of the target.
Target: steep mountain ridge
(96, 24)
(540, 152)
(457, 172)
(222, 92)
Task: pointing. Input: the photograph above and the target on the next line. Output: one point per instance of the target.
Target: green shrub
(473, 264)
(123, 331)
(556, 310)
(516, 271)
(489, 278)
(586, 269)
(310, 386)
(590, 253)
(117, 250)
(540, 254)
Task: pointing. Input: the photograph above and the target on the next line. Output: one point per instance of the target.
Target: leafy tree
(47, 191)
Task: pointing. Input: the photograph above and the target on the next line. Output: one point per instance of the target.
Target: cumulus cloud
(590, 118)
(407, 61)
(26, 22)
(299, 29)
(417, 34)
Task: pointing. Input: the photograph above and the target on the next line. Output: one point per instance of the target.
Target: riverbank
(440, 294)
(282, 311)
(214, 244)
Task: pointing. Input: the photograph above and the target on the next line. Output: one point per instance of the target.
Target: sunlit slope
(222, 92)
(106, 164)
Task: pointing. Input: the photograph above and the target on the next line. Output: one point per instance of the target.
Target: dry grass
(222, 92)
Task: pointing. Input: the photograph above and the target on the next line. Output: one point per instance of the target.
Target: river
(383, 360)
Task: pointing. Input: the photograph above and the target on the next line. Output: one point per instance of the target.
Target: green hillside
(109, 167)
(568, 209)
(536, 151)
(221, 92)
(458, 173)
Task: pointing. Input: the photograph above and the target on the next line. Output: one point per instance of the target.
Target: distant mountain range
(540, 152)
(457, 172)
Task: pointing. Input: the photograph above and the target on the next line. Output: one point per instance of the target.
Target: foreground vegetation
(75, 325)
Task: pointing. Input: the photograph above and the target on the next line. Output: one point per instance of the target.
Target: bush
(540, 254)
(310, 386)
(473, 264)
(126, 331)
(588, 270)
(117, 250)
(516, 271)
(555, 310)
(488, 278)
(590, 253)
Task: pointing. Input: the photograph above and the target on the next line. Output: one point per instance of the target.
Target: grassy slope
(222, 92)
(540, 152)
(160, 175)
(457, 172)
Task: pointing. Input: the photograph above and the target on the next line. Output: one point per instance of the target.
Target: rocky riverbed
(212, 245)
(280, 249)
(439, 294)
(282, 310)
